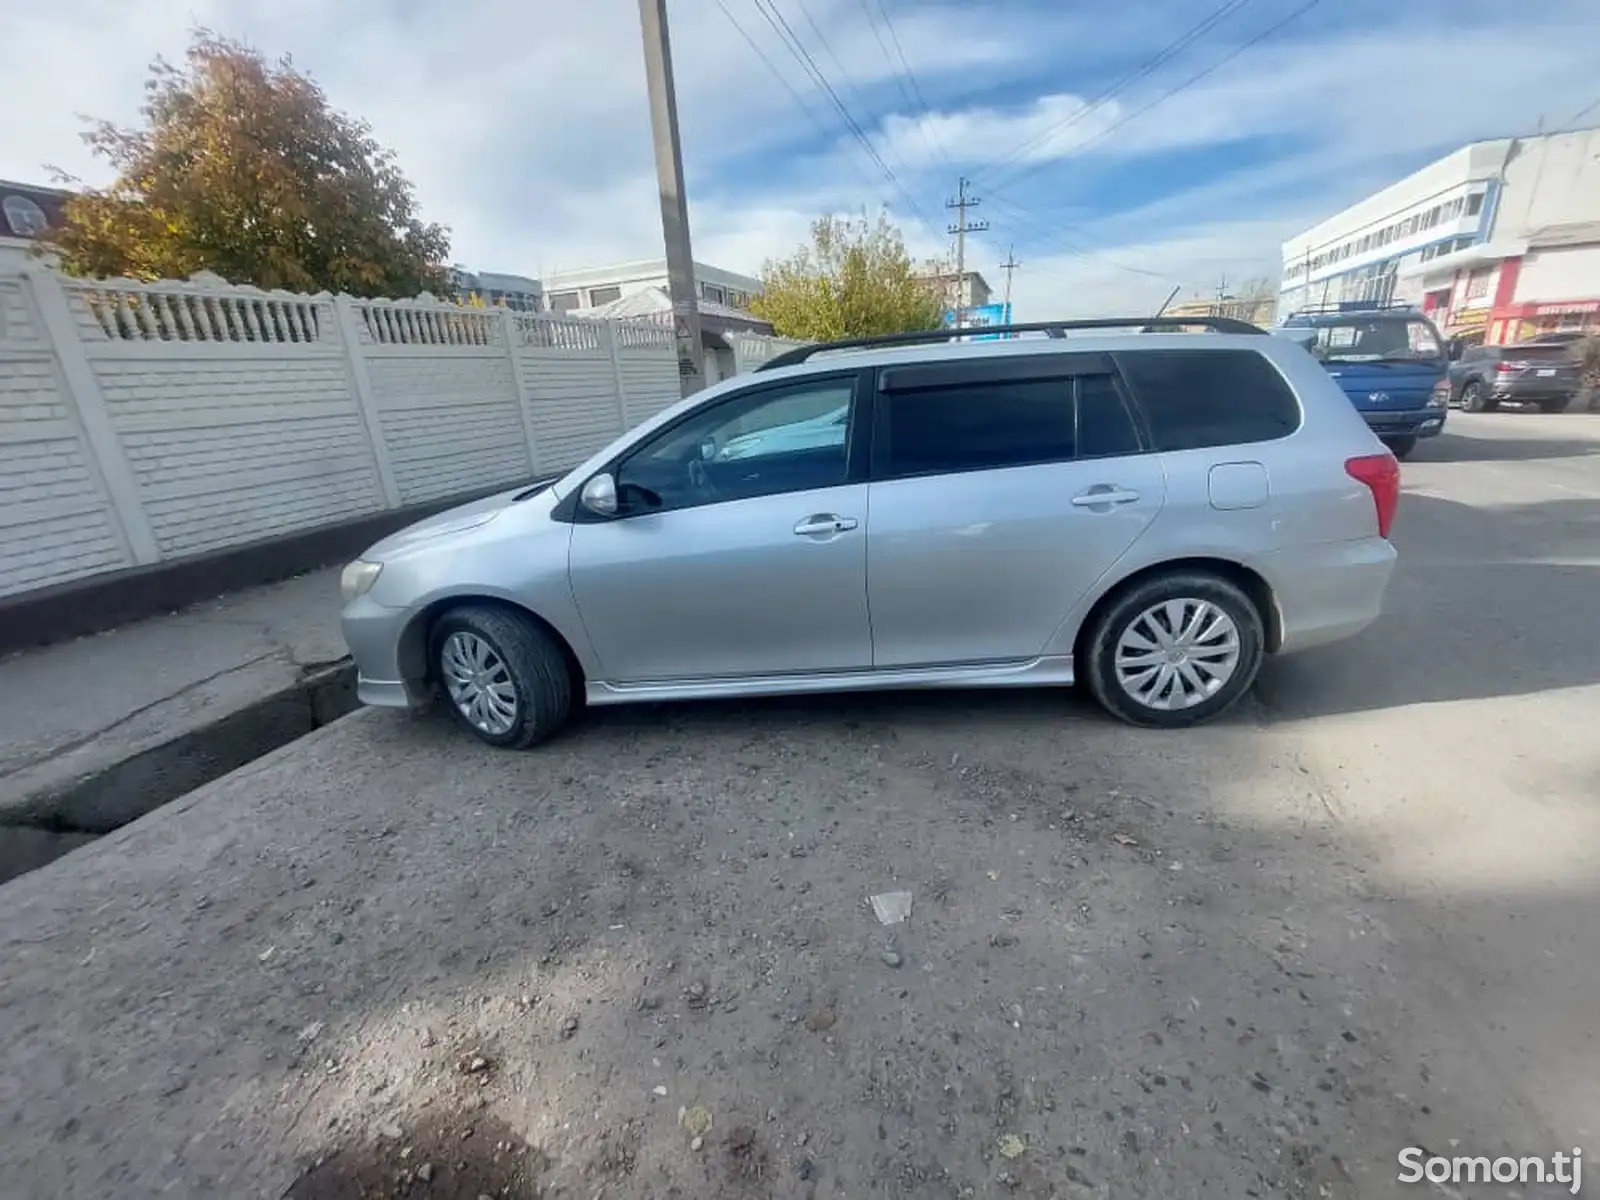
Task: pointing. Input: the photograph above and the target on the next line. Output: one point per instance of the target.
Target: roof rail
(1053, 329)
(1351, 306)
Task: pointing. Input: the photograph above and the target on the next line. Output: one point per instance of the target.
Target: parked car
(1542, 373)
(1389, 361)
(1147, 514)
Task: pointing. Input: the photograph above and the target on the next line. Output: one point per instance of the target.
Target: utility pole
(1010, 265)
(961, 202)
(674, 202)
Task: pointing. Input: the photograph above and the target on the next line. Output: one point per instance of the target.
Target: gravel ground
(1252, 960)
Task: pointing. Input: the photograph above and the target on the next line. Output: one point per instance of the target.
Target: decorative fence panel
(142, 422)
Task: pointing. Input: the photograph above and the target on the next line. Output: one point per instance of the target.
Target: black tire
(532, 662)
(1100, 647)
(1555, 404)
(1401, 446)
(1475, 399)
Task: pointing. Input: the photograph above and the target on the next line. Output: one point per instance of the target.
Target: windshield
(1386, 340)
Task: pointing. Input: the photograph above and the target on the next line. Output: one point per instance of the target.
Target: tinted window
(1104, 426)
(978, 427)
(1194, 398)
(776, 440)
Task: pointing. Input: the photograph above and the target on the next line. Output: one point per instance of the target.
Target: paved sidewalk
(98, 731)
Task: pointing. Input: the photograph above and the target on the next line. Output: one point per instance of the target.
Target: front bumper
(374, 634)
(1420, 422)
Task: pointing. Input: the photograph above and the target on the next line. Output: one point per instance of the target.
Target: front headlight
(357, 579)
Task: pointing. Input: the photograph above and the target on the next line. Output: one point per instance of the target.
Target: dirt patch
(441, 1158)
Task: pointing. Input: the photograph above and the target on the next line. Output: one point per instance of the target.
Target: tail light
(1506, 368)
(1381, 473)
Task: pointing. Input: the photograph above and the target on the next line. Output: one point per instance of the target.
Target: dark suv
(1484, 377)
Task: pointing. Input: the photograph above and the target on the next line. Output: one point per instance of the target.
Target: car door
(1002, 489)
(739, 545)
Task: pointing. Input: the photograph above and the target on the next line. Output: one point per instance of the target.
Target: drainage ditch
(80, 813)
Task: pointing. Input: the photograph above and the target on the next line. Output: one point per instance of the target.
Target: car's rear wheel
(1475, 398)
(502, 674)
(1401, 446)
(1175, 650)
(1555, 404)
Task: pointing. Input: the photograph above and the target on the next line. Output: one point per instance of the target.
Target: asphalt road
(1256, 959)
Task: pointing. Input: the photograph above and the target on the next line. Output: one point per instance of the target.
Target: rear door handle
(1104, 495)
(820, 523)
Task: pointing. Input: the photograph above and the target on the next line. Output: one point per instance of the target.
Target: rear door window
(977, 427)
(1198, 398)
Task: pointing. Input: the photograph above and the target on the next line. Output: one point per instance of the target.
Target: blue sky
(523, 122)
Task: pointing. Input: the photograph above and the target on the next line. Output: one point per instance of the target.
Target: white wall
(145, 422)
(1559, 273)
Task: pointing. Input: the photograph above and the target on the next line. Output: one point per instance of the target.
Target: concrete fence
(143, 423)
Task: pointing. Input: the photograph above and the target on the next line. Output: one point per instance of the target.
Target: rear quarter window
(1197, 398)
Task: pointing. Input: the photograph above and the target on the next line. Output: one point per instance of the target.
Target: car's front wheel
(502, 674)
(1175, 650)
(1475, 398)
(1401, 446)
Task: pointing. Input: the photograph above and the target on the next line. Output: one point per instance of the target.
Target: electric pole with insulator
(1010, 265)
(961, 202)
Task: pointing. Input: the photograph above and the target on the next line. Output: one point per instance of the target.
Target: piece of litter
(1174, 866)
(1123, 839)
(266, 954)
(696, 1143)
(891, 907)
(697, 1120)
(994, 876)
(659, 1089)
(1011, 1146)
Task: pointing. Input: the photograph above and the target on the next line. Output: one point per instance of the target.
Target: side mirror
(1454, 349)
(1305, 338)
(599, 496)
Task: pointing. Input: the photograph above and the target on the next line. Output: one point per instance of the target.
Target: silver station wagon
(1119, 504)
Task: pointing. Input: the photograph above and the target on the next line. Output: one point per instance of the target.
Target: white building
(595, 287)
(1499, 241)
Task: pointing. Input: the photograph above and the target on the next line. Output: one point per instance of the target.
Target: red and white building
(1498, 241)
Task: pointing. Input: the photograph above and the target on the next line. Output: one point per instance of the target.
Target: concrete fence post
(88, 403)
(609, 341)
(512, 332)
(355, 361)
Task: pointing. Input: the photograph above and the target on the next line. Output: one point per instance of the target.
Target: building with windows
(498, 290)
(1498, 241)
(596, 287)
(973, 290)
(27, 213)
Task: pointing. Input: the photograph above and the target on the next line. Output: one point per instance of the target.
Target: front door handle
(821, 523)
(1104, 494)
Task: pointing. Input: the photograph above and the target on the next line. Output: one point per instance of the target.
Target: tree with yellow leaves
(243, 169)
(854, 280)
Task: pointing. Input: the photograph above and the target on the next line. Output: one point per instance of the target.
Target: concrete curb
(123, 791)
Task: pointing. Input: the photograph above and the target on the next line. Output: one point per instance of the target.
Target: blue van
(1390, 361)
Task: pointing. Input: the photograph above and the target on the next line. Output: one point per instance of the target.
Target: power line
(849, 83)
(776, 74)
(1054, 238)
(905, 77)
(780, 25)
(1186, 84)
(1216, 17)
(1584, 112)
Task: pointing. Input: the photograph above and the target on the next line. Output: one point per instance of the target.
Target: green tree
(242, 168)
(854, 280)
